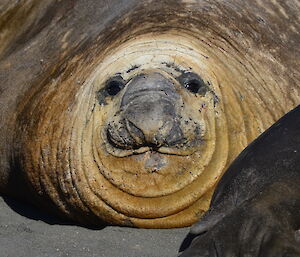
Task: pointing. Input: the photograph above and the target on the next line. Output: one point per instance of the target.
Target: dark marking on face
(215, 98)
(112, 87)
(173, 66)
(133, 68)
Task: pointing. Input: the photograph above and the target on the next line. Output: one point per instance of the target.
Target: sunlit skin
(132, 115)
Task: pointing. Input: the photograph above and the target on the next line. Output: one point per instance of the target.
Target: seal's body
(255, 210)
(128, 112)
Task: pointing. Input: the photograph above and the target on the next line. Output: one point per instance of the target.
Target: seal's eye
(193, 86)
(114, 86)
(111, 88)
(193, 83)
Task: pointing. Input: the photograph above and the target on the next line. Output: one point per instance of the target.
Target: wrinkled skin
(256, 207)
(75, 146)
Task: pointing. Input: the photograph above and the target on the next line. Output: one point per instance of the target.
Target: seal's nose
(150, 111)
(150, 119)
(149, 84)
(148, 114)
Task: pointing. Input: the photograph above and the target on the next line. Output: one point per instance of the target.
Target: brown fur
(50, 118)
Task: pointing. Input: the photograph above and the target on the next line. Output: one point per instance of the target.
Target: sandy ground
(26, 232)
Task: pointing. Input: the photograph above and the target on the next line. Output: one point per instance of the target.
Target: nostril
(118, 136)
(175, 136)
(135, 132)
(114, 137)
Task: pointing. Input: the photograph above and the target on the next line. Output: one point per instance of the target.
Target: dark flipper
(255, 210)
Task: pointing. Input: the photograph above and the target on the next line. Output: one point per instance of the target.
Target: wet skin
(255, 210)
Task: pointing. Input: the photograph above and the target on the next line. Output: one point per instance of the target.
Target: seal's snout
(148, 115)
(151, 85)
(151, 121)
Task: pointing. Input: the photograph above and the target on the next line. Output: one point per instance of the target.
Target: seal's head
(152, 123)
(153, 131)
(135, 143)
(135, 124)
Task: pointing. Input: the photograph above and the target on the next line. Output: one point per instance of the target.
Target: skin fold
(129, 112)
(255, 209)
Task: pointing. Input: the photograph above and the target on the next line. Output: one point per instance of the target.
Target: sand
(27, 232)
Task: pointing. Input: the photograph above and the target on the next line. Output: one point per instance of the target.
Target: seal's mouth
(112, 149)
(182, 149)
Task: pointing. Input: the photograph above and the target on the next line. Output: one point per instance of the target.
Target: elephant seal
(129, 112)
(255, 209)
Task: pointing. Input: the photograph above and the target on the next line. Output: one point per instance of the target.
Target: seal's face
(135, 143)
(154, 124)
(154, 131)
(151, 116)
(153, 128)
